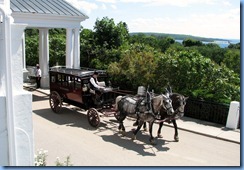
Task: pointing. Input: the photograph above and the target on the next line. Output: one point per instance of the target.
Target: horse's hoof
(176, 138)
(133, 137)
(145, 129)
(160, 136)
(123, 133)
(152, 141)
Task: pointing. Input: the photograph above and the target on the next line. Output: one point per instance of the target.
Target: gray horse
(178, 103)
(130, 106)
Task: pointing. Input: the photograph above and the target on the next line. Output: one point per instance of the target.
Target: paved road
(69, 134)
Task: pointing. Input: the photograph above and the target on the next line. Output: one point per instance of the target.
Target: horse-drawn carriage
(72, 86)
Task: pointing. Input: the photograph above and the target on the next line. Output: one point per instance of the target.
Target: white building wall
(16, 129)
(22, 103)
(3, 133)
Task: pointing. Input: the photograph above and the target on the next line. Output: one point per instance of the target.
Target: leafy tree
(212, 51)
(87, 47)
(191, 42)
(232, 60)
(194, 75)
(165, 43)
(110, 35)
(108, 39)
(57, 47)
(235, 46)
(32, 47)
(135, 68)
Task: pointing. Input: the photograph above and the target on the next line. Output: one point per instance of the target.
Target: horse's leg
(121, 124)
(140, 123)
(176, 137)
(150, 131)
(159, 129)
(145, 126)
(136, 122)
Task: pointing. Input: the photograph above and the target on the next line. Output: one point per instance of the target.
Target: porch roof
(46, 13)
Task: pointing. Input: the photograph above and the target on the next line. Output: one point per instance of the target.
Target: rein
(165, 120)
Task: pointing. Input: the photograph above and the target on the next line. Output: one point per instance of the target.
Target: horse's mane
(157, 102)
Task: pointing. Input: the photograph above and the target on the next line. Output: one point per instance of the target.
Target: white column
(22, 102)
(77, 48)
(23, 51)
(16, 130)
(7, 132)
(44, 56)
(69, 48)
(25, 71)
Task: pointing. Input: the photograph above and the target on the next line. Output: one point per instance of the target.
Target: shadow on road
(66, 117)
(138, 145)
(72, 117)
(141, 145)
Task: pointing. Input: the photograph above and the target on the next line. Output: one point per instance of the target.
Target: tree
(135, 68)
(31, 47)
(191, 42)
(87, 47)
(165, 43)
(194, 75)
(232, 60)
(109, 35)
(57, 47)
(235, 46)
(109, 38)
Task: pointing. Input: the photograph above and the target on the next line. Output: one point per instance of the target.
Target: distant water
(222, 44)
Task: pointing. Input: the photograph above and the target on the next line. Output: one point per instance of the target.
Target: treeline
(180, 36)
(203, 71)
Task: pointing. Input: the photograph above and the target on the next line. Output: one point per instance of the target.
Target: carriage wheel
(93, 117)
(55, 101)
(116, 115)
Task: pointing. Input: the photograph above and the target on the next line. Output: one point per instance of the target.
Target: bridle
(168, 106)
(178, 111)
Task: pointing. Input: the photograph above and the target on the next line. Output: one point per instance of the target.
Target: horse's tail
(118, 98)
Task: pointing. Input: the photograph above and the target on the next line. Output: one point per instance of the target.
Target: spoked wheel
(93, 117)
(55, 101)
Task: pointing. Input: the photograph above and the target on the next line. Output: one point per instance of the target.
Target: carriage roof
(82, 72)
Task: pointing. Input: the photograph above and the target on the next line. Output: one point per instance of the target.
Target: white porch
(16, 129)
(44, 22)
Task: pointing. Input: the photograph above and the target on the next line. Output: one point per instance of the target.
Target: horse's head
(179, 102)
(167, 104)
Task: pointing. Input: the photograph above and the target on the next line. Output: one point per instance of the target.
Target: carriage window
(71, 81)
(77, 83)
(53, 79)
(59, 78)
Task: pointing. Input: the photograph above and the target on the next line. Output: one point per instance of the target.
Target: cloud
(114, 7)
(82, 5)
(171, 2)
(107, 1)
(204, 25)
(104, 7)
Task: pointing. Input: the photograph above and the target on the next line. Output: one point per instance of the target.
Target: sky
(204, 18)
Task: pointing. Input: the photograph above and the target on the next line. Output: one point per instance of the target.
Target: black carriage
(72, 86)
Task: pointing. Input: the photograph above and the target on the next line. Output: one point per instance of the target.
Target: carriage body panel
(73, 84)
